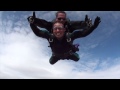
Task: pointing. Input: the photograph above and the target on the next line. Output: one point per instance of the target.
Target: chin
(59, 37)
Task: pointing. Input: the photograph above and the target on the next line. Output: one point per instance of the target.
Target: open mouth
(58, 34)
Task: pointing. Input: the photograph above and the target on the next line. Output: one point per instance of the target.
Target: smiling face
(58, 30)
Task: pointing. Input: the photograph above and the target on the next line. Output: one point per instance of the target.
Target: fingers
(88, 21)
(86, 17)
(30, 19)
(98, 19)
(34, 16)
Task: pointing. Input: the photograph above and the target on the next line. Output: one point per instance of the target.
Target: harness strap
(68, 38)
(51, 38)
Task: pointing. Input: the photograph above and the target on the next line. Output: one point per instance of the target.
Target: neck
(60, 38)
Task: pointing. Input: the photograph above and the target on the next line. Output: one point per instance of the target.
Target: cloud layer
(26, 56)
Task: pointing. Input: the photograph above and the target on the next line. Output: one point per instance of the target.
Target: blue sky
(26, 56)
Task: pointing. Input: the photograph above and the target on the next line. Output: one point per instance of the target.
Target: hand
(97, 21)
(31, 18)
(86, 18)
(88, 21)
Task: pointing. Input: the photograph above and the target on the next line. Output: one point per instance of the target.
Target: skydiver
(60, 41)
(60, 16)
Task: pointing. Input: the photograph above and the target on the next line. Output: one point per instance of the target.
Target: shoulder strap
(68, 37)
(51, 38)
(67, 24)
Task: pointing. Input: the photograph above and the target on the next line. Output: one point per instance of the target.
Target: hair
(55, 23)
(58, 22)
(60, 12)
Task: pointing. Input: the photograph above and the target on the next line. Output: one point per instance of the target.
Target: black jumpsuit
(61, 48)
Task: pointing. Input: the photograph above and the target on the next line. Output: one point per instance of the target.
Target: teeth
(58, 34)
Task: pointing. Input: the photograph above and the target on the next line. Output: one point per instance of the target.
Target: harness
(51, 39)
(69, 41)
(73, 49)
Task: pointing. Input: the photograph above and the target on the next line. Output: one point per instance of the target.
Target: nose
(61, 19)
(57, 30)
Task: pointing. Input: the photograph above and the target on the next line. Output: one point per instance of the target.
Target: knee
(51, 62)
(77, 59)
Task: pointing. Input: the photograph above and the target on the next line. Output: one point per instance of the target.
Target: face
(58, 30)
(61, 17)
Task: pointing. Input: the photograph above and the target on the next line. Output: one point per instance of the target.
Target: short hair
(59, 22)
(60, 12)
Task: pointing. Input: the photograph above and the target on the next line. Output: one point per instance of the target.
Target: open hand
(88, 21)
(97, 21)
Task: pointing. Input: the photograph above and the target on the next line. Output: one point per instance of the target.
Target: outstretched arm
(40, 22)
(80, 24)
(43, 23)
(92, 28)
(38, 32)
(84, 33)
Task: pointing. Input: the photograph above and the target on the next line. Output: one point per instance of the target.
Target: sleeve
(78, 25)
(38, 32)
(43, 24)
(88, 31)
(78, 34)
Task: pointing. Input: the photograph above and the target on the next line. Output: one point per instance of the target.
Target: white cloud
(26, 56)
